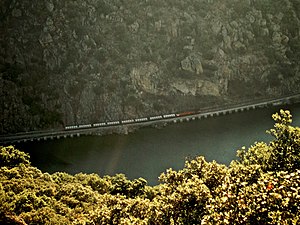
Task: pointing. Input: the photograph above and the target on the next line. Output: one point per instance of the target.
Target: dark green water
(149, 152)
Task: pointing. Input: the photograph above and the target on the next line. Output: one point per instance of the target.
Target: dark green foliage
(261, 187)
(11, 72)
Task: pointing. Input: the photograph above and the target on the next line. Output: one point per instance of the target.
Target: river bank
(149, 151)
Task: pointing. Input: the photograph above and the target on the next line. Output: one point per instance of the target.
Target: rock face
(193, 64)
(74, 62)
(197, 87)
(145, 77)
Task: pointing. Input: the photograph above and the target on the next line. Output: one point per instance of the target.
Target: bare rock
(196, 87)
(134, 28)
(45, 38)
(144, 77)
(49, 5)
(192, 63)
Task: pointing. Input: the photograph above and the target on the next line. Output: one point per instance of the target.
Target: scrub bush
(261, 187)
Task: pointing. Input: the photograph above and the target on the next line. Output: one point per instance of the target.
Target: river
(148, 152)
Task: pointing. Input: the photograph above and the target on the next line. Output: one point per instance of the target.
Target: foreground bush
(260, 187)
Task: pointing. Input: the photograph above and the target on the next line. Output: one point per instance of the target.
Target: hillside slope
(69, 62)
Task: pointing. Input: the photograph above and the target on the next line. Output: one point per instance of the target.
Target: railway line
(84, 129)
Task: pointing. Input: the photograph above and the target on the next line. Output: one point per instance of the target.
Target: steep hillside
(83, 61)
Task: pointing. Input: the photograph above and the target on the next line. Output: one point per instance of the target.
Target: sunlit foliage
(261, 187)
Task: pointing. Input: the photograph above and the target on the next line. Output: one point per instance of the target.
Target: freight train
(130, 121)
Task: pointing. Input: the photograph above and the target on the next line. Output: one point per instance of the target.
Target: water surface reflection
(148, 152)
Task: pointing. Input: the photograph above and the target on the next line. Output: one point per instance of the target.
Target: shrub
(260, 187)
(11, 157)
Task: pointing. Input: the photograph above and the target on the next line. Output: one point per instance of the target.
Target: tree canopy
(260, 187)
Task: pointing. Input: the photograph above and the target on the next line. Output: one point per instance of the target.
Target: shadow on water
(149, 152)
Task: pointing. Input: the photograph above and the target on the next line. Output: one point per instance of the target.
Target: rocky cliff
(83, 61)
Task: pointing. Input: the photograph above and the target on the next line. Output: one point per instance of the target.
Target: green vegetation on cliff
(261, 187)
(85, 61)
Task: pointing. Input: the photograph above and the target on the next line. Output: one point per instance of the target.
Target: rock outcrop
(74, 62)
